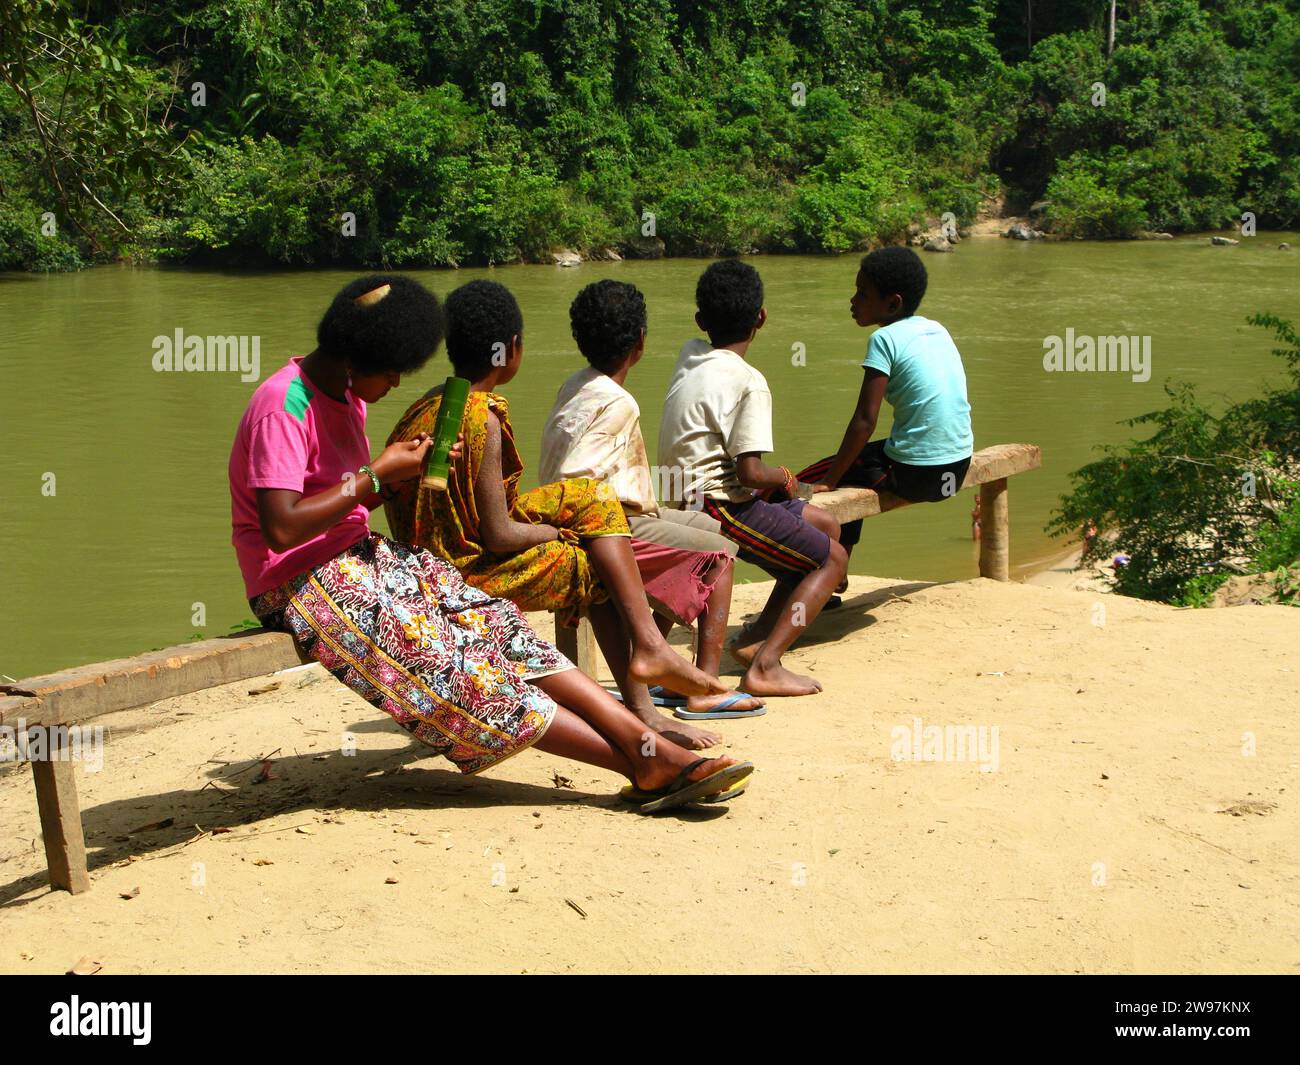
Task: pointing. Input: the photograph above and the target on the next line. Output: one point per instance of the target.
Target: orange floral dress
(554, 576)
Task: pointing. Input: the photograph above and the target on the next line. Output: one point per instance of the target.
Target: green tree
(93, 125)
(1204, 497)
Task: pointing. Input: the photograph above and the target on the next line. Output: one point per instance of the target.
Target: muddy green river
(115, 524)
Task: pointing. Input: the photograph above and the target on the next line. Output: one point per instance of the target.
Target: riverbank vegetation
(1207, 497)
(439, 132)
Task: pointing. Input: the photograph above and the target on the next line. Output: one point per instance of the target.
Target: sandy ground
(1062, 571)
(1124, 826)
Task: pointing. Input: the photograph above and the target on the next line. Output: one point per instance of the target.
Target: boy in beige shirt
(594, 430)
(715, 428)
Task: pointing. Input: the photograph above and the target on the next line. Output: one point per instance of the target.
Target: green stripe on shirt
(297, 398)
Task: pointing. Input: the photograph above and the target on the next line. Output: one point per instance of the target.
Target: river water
(115, 528)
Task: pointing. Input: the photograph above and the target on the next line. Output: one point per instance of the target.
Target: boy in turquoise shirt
(913, 363)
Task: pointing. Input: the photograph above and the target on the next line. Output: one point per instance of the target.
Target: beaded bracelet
(374, 479)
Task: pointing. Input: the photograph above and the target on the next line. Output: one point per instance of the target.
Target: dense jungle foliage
(427, 132)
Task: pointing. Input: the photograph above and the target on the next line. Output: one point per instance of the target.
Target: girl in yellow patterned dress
(563, 547)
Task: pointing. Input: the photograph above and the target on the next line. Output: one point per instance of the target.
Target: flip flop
(631, 793)
(720, 711)
(657, 697)
(658, 694)
(683, 790)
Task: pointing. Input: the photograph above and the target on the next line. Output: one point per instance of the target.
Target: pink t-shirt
(294, 436)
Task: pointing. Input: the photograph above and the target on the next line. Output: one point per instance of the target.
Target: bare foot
(661, 769)
(744, 652)
(680, 733)
(662, 665)
(743, 647)
(778, 681)
(702, 704)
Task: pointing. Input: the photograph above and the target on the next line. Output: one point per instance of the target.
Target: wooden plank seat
(989, 470)
(74, 697)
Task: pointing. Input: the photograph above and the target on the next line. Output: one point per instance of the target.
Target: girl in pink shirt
(458, 669)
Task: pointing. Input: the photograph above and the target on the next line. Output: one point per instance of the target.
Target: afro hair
(396, 333)
(607, 318)
(482, 319)
(897, 270)
(729, 296)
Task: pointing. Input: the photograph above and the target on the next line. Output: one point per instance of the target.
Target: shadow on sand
(409, 779)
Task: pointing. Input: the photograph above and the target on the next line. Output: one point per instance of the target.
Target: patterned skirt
(401, 628)
(558, 575)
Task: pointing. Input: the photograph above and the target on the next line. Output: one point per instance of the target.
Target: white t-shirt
(718, 406)
(594, 430)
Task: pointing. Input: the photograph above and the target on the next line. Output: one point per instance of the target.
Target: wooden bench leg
(579, 646)
(65, 847)
(995, 532)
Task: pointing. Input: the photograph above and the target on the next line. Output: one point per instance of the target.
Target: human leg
(653, 761)
(652, 660)
(688, 570)
(607, 624)
(807, 564)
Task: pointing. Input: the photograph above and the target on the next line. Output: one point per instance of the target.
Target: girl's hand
(403, 460)
(457, 451)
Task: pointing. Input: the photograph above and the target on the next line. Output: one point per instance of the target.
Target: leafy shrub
(1203, 497)
(24, 247)
(1085, 204)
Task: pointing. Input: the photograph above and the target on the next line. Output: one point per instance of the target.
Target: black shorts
(874, 469)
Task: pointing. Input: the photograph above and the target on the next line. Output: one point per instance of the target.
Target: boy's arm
(748, 436)
(861, 426)
(502, 535)
(751, 472)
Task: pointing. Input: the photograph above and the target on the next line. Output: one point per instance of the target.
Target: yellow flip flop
(632, 794)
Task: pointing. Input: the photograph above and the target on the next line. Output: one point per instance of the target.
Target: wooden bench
(77, 696)
(989, 470)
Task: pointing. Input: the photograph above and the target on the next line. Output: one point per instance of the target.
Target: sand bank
(1126, 825)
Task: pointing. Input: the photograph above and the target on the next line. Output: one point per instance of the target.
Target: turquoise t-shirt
(927, 389)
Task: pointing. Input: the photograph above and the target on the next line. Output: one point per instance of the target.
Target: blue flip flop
(720, 711)
(657, 697)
